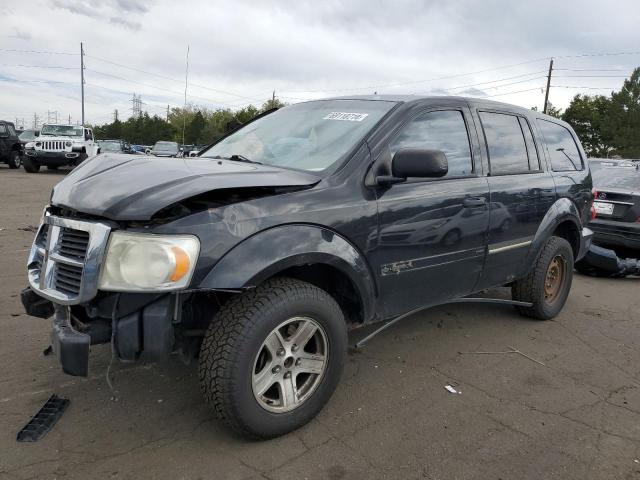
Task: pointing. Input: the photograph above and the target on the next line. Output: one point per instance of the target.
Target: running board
(499, 301)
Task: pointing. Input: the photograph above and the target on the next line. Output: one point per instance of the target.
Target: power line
(592, 76)
(47, 52)
(608, 54)
(371, 87)
(590, 69)
(489, 81)
(502, 85)
(585, 87)
(518, 91)
(167, 78)
(36, 66)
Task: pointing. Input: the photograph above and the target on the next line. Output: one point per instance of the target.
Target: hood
(125, 187)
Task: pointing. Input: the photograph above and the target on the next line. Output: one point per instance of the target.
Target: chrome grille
(65, 259)
(53, 145)
(74, 243)
(68, 278)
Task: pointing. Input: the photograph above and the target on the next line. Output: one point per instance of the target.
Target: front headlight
(142, 262)
(68, 144)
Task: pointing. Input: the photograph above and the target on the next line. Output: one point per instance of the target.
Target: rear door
(568, 165)
(521, 192)
(431, 238)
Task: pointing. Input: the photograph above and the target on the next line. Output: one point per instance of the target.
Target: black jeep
(259, 255)
(10, 147)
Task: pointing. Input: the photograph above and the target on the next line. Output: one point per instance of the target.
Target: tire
(14, 160)
(236, 364)
(547, 291)
(30, 166)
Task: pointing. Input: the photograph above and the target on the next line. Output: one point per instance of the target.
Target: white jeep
(59, 145)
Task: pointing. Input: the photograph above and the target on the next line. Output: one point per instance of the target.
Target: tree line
(607, 125)
(201, 126)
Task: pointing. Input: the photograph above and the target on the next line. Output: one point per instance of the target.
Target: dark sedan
(617, 203)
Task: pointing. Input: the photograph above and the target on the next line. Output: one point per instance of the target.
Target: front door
(431, 236)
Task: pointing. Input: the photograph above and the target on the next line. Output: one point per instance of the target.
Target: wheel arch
(562, 220)
(311, 253)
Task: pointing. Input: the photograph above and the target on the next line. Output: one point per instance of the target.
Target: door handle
(474, 202)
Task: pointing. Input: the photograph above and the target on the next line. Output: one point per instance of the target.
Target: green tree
(194, 130)
(589, 117)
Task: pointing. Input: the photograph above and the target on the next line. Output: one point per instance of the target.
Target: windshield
(166, 147)
(27, 135)
(109, 146)
(62, 130)
(307, 136)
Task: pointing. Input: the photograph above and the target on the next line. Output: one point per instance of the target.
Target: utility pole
(273, 98)
(186, 83)
(82, 78)
(69, 123)
(546, 93)
(36, 121)
(115, 115)
(167, 113)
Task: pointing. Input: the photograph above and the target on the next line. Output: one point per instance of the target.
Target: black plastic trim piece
(44, 420)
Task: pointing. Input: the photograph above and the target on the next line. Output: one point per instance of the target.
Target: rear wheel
(14, 160)
(547, 286)
(30, 165)
(272, 357)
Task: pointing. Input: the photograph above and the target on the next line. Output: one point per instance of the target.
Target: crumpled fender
(271, 251)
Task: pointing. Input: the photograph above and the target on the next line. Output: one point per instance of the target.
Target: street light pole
(82, 78)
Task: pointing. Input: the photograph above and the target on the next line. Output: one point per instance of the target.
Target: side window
(534, 160)
(561, 146)
(439, 130)
(12, 132)
(505, 143)
(3, 129)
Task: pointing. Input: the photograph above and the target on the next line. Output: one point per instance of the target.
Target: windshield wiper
(238, 158)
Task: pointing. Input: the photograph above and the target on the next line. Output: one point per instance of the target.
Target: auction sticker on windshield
(346, 116)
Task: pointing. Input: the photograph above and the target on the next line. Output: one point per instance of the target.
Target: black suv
(10, 147)
(259, 255)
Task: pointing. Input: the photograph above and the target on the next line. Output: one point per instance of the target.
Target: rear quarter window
(506, 144)
(562, 147)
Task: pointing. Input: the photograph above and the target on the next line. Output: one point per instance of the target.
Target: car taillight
(594, 214)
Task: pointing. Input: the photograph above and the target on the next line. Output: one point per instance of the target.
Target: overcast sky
(240, 51)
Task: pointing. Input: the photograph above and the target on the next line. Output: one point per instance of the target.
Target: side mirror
(416, 162)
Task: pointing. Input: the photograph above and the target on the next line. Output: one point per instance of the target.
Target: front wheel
(548, 284)
(14, 160)
(30, 165)
(272, 357)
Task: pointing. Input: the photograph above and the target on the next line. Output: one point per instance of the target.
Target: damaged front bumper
(138, 326)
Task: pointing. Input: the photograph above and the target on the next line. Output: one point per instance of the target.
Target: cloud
(308, 49)
(20, 34)
(125, 23)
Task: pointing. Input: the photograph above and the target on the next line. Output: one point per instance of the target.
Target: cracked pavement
(575, 417)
